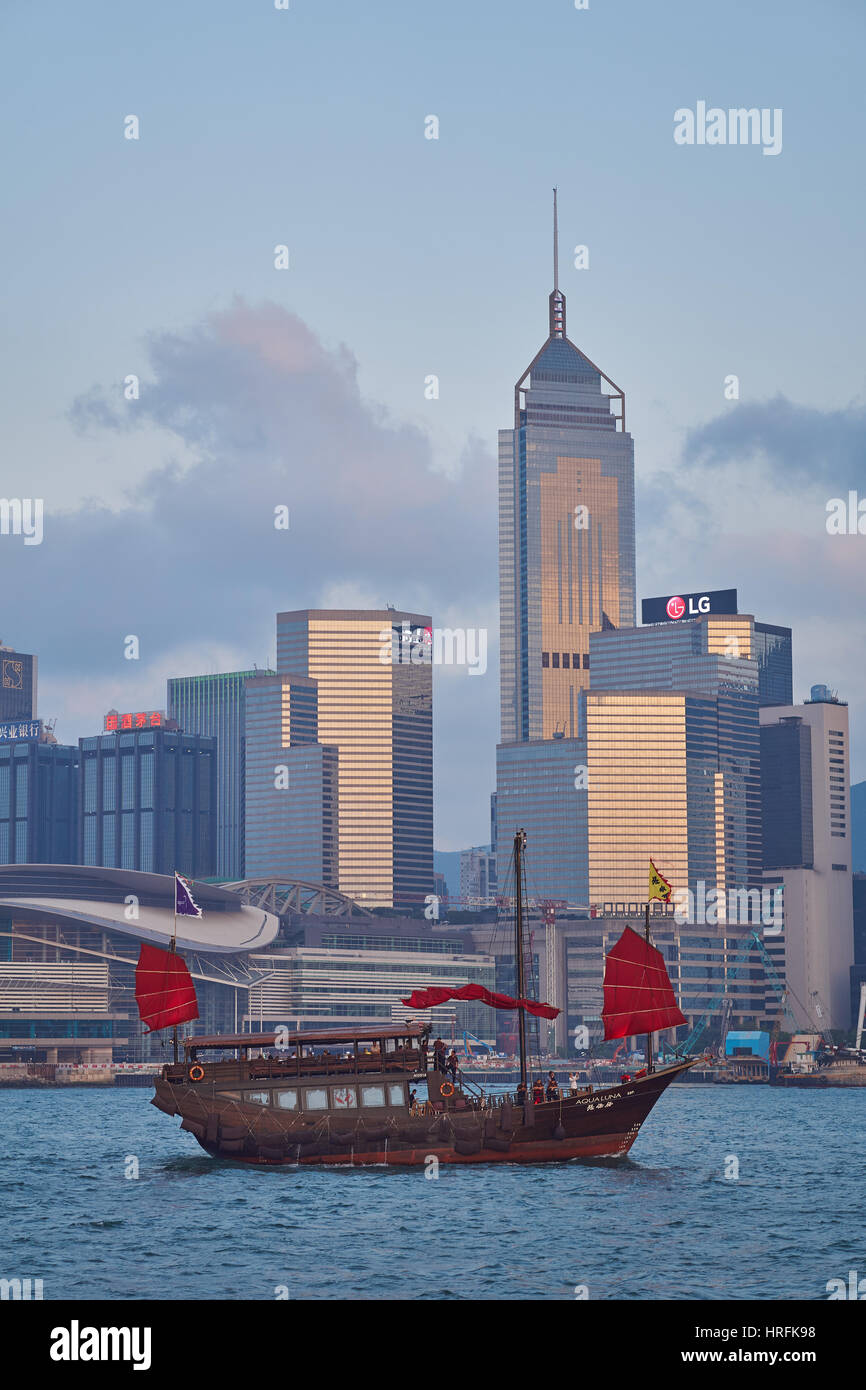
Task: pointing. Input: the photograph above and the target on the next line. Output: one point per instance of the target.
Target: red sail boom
(164, 990)
(437, 994)
(638, 994)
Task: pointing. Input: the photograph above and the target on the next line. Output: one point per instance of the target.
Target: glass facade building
(786, 794)
(291, 784)
(214, 705)
(566, 533)
(17, 685)
(566, 570)
(375, 706)
(772, 647)
(147, 800)
(38, 803)
(539, 792)
(705, 740)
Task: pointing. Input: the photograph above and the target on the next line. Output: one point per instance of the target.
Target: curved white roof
(139, 905)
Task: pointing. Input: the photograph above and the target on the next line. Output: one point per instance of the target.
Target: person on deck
(521, 1093)
(453, 1065)
(537, 1091)
(552, 1086)
(572, 1083)
(439, 1055)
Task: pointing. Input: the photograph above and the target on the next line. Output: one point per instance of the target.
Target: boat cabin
(335, 1070)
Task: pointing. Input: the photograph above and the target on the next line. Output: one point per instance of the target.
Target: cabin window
(390, 1044)
(316, 1099)
(396, 1094)
(344, 1097)
(257, 1097)
(286, 1100)
(372, 1095)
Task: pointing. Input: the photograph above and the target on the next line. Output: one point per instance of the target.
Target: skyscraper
(805, 786)
(566, 569)
(213, 705)
(148, 801)
(375, 706)
(291, 784)
(17, 685)
(709, 661)
(38, 797)
(774, 655)
(566, 530)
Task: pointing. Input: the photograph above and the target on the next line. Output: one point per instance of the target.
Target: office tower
(148, 801)
(653, 791)
(373, 673)
(477, 877)
(291, 784)
(805, 788)
(769, 646)
(566, 531)
(17, 685)
(773, 653)
(786, 793)
(214, 705)
(708, 661)
(541, 789)
(38, 797)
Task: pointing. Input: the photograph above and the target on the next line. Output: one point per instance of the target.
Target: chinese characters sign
(142, 719)
(28, 728)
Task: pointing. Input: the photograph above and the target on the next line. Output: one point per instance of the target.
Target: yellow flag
(658, 885)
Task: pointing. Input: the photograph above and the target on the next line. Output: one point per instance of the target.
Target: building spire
(555, 244)
(557, 300)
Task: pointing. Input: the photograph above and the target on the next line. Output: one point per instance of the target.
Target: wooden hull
(602, 1124)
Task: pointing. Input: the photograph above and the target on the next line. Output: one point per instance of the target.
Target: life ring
(446, 1089)
(196, 1073)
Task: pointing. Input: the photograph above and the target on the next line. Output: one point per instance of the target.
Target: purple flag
(184, 902)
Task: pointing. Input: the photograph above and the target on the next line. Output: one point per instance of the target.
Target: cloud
(746, 508)
(192, 562)
(789, 443)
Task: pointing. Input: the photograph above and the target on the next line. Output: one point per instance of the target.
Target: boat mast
(519, 846)
(173, 949)
(649, 1036)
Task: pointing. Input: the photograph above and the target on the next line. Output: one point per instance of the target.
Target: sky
(409, 257)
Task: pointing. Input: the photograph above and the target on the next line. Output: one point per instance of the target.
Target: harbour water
(664, 1223)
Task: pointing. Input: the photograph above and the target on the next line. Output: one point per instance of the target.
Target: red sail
(638, 995)
(427, 998)
(164, 990)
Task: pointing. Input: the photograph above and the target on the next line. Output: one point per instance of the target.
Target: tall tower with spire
(566, 529)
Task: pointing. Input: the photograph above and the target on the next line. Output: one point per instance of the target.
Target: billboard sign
(20, 728)
(141, 719)
(674, 607)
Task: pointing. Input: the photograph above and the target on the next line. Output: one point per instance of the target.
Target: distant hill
(858, 827)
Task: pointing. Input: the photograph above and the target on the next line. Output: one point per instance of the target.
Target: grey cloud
(794, 443)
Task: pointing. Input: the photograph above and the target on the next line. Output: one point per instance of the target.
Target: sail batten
(638, 994)
(164, 991)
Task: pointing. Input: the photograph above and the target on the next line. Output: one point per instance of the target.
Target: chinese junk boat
(344, 1095)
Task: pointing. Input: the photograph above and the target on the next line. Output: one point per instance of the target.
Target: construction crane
(747, 946)
(819, 1013)
(480, 1041)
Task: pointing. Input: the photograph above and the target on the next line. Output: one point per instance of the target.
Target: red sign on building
(141, 719)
